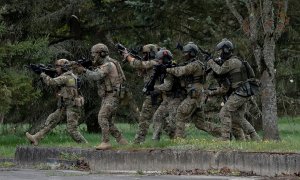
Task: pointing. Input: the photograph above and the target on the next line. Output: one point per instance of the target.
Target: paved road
(23, 174)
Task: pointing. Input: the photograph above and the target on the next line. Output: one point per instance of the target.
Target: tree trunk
(268, 93)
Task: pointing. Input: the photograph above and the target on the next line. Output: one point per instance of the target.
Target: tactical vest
(177, 90)
(237, 76)
(70, 90)
(68, 94)
(109, 86)
(242, 80)
(195, 78)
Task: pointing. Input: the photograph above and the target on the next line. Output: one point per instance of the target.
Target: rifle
(121, 49)
(159, 73)
(41, 68)
(207, 55)
(86, 63)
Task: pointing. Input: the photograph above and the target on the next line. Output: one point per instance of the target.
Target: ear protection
(226, 49)
(152, 53)
(193, 52)
(65, 67)
(103, 54)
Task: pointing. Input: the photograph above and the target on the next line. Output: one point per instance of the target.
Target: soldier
(70, 103)
(145, 69)
(238, 75)
(172, 94)
(222, 89)
(109, 77)
(193, 77)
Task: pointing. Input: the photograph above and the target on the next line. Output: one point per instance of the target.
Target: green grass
(12, 136)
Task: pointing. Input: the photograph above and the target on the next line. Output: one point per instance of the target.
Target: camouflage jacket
(218, 87)
(108, 76)
(192, 75)
(67, 83)
(166, 85)
(145, 68)
(231, 68)
(170, 86)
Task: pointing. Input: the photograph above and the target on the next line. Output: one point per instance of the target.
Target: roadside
(21, 174)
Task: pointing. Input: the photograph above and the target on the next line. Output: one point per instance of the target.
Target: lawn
(12, 136)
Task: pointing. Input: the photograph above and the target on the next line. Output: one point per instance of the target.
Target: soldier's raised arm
(100, 72)
(188, 69)
(60, 80)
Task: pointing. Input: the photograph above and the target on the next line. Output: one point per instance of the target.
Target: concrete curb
(265, 164)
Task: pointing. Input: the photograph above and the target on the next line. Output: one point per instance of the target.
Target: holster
(61, 103)
(121, 91)
(154, 97)
(247, 89)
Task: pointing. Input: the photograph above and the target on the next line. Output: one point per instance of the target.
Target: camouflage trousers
(184, 112)
(145, 119)
(232, 114)
(72, 114)
(204, 123)
(163, 118)
(207, 119)
(109, 106)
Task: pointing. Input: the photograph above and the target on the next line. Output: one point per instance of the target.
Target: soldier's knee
(102, 121)
(104, 115)
(183, 111)
(71, 131)
(224, 113)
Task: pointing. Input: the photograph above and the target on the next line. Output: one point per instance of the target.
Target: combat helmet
(63, 63)
(227, 48)
(191, 48)
(225, 45)
(100, 49)
(149, 51)
(165, 55)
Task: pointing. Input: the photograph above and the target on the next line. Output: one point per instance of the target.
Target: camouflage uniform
(70, 106)
(192, 75)
(145, 68)
(233, 110)
(109, 77)
(163, 117)
(205, 120)
(222, 89)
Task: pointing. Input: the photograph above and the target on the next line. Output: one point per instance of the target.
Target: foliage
(42, 31)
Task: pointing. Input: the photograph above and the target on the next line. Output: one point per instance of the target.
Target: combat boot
(254, 136)
(138, 139)
(156, 136)
(179, 136)
(34, 139)
(225, 136)
(104, 146)
(122, 141)
(216, 132)
(171, 134)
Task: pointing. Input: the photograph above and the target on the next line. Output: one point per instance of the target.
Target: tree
(263, 26)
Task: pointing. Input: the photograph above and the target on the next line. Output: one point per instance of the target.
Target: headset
(193, 52)
(103, 54)
(226, 49)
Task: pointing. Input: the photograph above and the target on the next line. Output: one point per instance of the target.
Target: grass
(12, 136)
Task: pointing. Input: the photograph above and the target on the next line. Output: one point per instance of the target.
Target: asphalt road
(23, 174)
